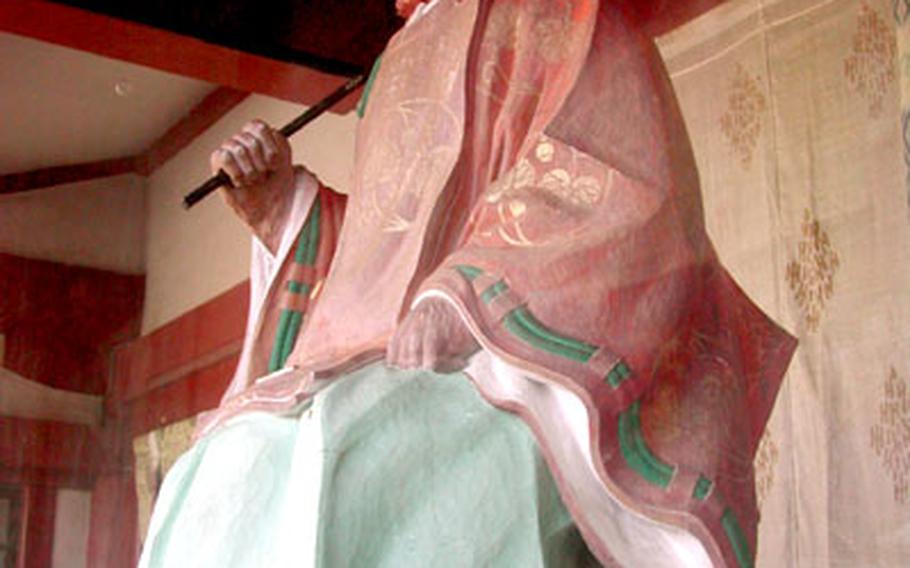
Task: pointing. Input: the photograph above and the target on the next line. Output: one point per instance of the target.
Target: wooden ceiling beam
(59, 175)
(214, 106)
(167, 51)
(205, 114)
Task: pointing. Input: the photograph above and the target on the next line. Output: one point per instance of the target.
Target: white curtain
(793, 107)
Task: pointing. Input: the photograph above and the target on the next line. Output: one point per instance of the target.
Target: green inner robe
(414, 469)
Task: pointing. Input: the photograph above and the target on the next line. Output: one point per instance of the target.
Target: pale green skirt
(386, 468)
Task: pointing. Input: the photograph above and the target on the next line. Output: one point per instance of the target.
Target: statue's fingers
(244, 162)
(394, 352)
(256, 127)
(226, 161)
(255, 151)
(216, 159)
(277, 145)
(409, 355)
(391, 352)
(429, 347)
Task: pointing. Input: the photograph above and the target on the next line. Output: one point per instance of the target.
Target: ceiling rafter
(166, 51)
(214, 106)
(239, 72)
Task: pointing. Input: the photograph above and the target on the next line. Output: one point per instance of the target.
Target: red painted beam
(113, 532)
(59, 175)
(193, 393)
(38, 531)
(39, 303)
(30, 447)
(167, 51)
(199, 338)
(180, 369)
(47, 477)
(214, 106)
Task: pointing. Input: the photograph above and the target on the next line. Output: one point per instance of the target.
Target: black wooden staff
(221, 178)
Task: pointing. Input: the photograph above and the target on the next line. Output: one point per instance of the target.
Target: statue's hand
(431, 337)
(258, 161)
(254, 156)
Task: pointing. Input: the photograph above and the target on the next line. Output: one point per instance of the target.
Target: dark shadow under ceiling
(341, 37)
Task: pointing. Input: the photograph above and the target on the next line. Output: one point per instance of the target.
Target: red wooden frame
(182, 368)
(238, 73)
(59, 175)
(167, 51)
(215, 105)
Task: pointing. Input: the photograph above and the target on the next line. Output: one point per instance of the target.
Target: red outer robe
(527, 160)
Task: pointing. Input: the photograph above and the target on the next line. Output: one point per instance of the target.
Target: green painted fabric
(416, 470)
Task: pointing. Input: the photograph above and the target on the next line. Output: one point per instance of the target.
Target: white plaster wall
(71, 528)
(192, 256)
(23, 398)
(98, 223)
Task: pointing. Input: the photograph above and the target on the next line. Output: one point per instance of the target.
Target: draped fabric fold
(282, 289)
(555, 201)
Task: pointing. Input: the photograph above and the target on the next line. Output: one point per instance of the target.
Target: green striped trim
(702, 488)
(290, 321)
(276, 361)
(521, 323)
(494, 290)
(295, 287)
(737, 539)
(308, 244)
(619, 373)
(364, 98)
(290, 337)
(636, 452)
(469, 272)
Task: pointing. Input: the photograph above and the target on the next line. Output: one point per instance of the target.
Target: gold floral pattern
(765, 463)
(581, 191)
(870, 68)
(502, 24)
(550, 34)
(554, 177)
(741, 123)
(811, 274)
(420, 144)
(570, 187)
(551, 25)
(890, 436)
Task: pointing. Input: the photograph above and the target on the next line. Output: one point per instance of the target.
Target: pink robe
(283, 286)
(526, 161)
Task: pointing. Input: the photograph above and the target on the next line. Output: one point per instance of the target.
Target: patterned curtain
(902, 19)
(793, 107)
(155, 453)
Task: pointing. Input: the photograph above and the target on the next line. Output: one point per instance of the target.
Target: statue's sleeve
(582, 260)
(282, 289)
(565, 251)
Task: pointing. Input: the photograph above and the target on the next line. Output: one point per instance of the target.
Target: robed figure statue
(513, 344)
